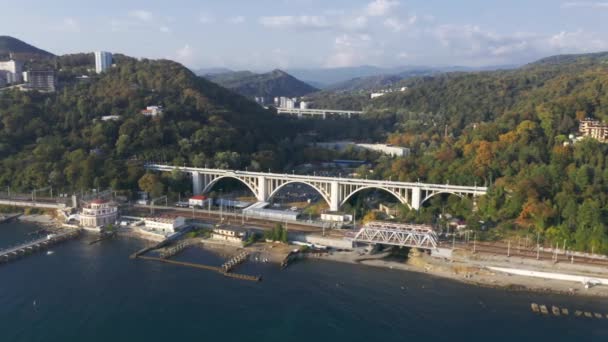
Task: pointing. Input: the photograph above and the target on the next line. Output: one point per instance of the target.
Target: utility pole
(537, 246)
(474, 242)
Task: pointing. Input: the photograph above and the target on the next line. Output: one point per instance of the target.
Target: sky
(267, 34)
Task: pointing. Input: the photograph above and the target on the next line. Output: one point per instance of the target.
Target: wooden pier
(204, 267)
(235, 261)
(174, 250)
(145, 250)
(27, 248)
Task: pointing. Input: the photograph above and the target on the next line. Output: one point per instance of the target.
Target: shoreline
(462, 271)
(466, 269)
(470, 274)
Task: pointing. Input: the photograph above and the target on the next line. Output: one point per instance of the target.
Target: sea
(83, 292)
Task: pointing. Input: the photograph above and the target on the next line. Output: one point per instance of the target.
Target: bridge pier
(334, 197)
(197, 183)
(415, 203)
(262, 189)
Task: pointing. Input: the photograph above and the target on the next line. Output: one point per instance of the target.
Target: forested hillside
(267, 85)
(60, 139)
(508, 129)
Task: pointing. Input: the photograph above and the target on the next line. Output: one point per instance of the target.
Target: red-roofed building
(198, 200)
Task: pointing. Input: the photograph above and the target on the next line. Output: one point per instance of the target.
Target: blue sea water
(96, 293)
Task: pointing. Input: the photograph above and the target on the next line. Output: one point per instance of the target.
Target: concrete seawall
(339, 243)
(551, 275)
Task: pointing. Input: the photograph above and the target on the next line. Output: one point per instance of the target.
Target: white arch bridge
(335, 191)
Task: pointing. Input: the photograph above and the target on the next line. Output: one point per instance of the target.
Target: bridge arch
(400, 198)
(210, 185)
(317, 189)
(428, 197)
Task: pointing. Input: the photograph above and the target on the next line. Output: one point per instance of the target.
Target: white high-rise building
(11, 71)
(103, 61)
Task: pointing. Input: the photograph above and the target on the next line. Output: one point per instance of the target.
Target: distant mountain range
(299, 82)
(212, 71)
(371, 83)
(336, 78)
(20, 49)
(579, 59)
(267, 85)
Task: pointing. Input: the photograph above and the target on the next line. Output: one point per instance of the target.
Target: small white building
(336, 217)
(163, 225)
(232, 235)
(110, 118)
(152, 111)
(198, 201)
(97, 214)
(393, 151)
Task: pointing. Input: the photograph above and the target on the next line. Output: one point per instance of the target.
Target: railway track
(524, 252)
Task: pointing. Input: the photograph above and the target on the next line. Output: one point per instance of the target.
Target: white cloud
(142, 15)
(69, 25)
(351, 50)
(239, 19)
(315, 22)
(288, 21)
(356, 23)
(397, 25)
(378, 8)
(185, 55)
(585, 4)
(165, 29)
(578, 41)
(206, 18)
(474, 42)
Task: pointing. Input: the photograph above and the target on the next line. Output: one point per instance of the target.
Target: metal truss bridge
(397, 234)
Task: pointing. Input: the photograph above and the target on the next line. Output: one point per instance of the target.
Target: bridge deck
(479, 190)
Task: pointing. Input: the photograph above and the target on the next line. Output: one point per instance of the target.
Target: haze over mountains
(267, 85)
(361, 78)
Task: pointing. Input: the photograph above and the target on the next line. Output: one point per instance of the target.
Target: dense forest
(509, 130)
(60, 139)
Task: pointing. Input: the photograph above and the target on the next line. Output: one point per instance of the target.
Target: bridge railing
(343, 180)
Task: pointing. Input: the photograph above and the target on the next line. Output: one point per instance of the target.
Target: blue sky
(266, 34)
